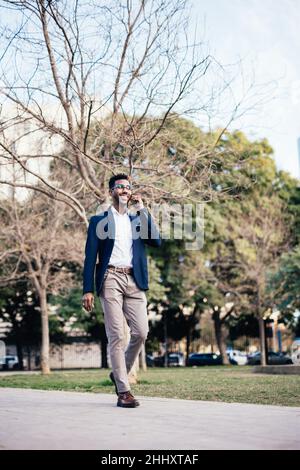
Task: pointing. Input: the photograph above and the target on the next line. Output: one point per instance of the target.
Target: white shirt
(122, 251)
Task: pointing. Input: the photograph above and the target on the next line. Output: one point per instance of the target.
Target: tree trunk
(133, 374)
(142, 358)
(166, 362)
(45, 362)
(28, 358)
(20, 355)
(262, 330)
(104, 363)
(188, 346)
(262, 339)
(220, 337)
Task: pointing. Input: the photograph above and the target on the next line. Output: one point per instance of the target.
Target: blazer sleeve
(149, 231)
(91, 251)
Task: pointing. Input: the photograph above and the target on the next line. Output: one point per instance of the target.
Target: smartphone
(133, 200)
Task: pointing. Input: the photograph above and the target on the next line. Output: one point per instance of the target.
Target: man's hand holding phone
(136, 201)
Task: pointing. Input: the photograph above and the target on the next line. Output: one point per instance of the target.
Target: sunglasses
(123, 186)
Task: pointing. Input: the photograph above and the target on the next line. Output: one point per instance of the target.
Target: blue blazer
(100, 242)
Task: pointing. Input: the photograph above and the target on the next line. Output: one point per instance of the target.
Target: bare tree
(248, 242)
(262, 237)
(91, 86)
(98, 82)
(99, 78)
(38, 240)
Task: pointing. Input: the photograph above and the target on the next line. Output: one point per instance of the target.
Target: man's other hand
(88, 301)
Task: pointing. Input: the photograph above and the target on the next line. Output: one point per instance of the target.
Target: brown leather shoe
(111, 376)
(127, 400)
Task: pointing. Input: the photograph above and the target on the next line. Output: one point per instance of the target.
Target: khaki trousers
(120, 296)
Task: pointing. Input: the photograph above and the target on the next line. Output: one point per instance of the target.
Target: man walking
(118, 240)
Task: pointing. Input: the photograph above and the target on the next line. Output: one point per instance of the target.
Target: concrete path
(36, 419)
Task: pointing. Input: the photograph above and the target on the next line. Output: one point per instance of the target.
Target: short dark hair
(115, 178)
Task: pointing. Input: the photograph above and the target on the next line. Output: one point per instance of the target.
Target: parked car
(237, 358)
(199, 359)
(149, 360)
(273, 359)
(174, 359)
(296, 351)
(9, 362)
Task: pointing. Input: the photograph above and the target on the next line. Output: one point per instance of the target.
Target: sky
(264, 34)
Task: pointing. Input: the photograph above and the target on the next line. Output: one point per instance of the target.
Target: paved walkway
(36, 419)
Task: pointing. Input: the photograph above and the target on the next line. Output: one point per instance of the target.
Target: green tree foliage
(285, 283)
(252, 219)
(74, 318)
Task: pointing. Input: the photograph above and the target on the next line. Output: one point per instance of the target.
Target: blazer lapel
(135, 226)
(111, 225)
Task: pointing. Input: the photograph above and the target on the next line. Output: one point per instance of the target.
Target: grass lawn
(214, 383)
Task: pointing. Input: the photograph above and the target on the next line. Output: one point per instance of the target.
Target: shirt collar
(114, 211)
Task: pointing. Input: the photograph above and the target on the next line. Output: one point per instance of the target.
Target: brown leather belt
(115, 269)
